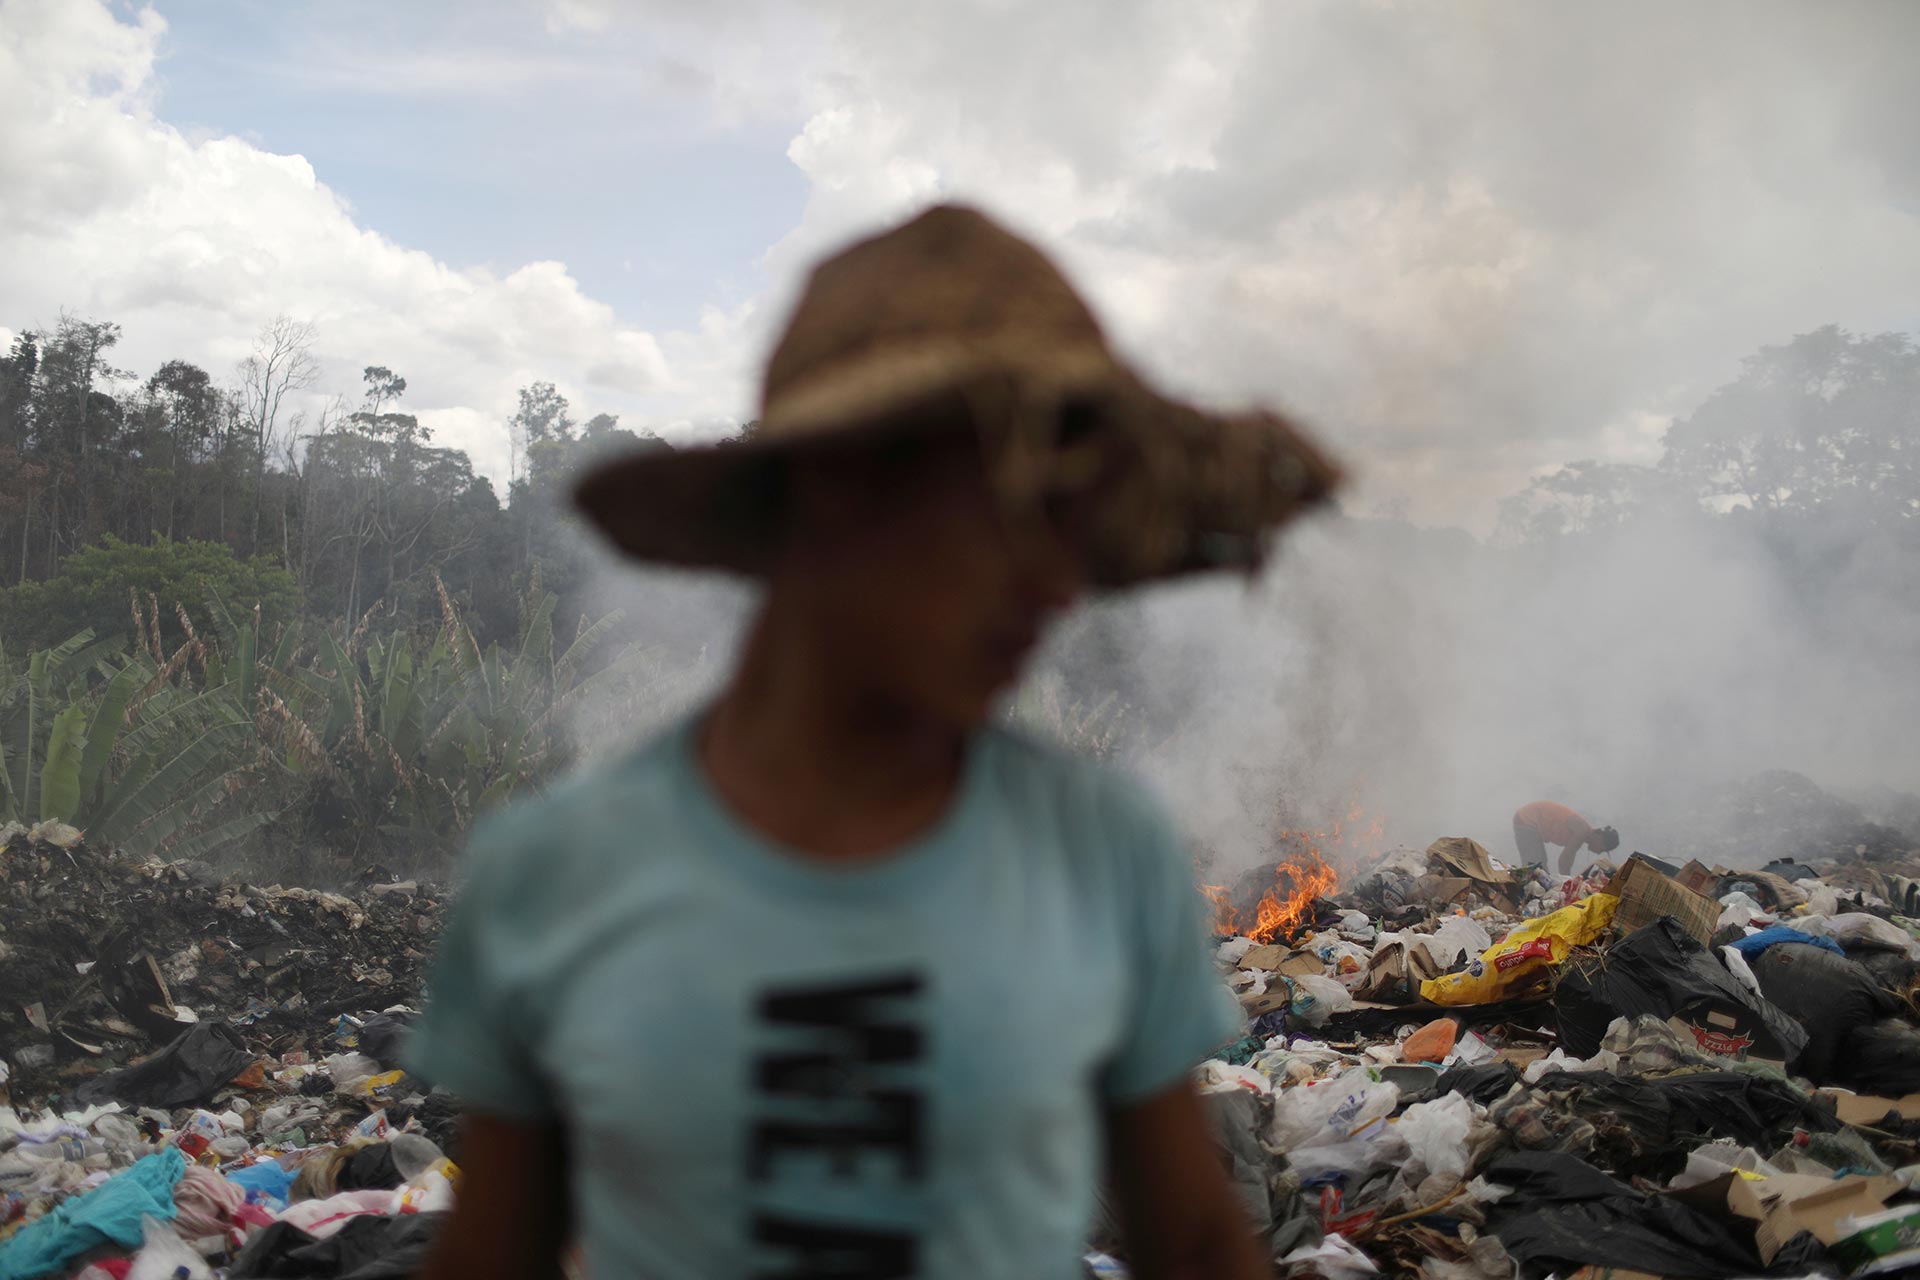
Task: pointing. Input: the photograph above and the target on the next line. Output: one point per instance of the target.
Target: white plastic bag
(1604, 1060)
(1822, 900)
(1345, 960)
(165, 1256)
(1457, 936)
(1437, 1138)
(1330, 1112)
(1471, 1050)
(1317, 998)
(1705, 1163)
(1736, 962)
(349, 1069)
(1332, 1258)
(1233, 949)
(1216, 1076)
(1858, 929)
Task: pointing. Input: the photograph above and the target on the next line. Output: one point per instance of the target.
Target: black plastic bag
(1661, 970)
(384, 1038)
(185, 1073)
(1565, 1214)
(1829, 995)
(1485, 1083)
(1678, 1110)
(1882, 1058)
(369, 1247)
(371, 1168)
(1891, 969)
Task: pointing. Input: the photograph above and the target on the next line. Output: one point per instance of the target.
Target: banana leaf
(109, 720)
(157, 788)
(60, 774)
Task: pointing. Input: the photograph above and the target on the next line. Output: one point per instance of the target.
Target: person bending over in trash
(1537, 825)
(836, 977)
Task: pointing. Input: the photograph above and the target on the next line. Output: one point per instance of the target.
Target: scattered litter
(1654, 1070)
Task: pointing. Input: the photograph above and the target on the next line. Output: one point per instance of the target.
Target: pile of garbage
(199, 1075)
(1466, 1071)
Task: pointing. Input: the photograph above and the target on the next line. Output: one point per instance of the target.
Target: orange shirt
(1556, 823)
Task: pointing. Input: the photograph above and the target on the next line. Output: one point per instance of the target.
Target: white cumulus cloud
(192, 246)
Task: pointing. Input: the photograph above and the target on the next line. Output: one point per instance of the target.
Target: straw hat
(948, 304)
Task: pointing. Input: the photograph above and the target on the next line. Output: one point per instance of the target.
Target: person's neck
(808, 754)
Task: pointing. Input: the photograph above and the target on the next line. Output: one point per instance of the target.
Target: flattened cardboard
(1461, 856)
(1646, 895)
(1266, 957)
(1278, 957)
(1862, 1108)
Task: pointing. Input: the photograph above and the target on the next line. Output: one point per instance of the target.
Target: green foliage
(92, 589)
(123, 748)
(400, 739)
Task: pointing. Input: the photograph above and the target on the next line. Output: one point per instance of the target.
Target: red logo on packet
(1525, 951)
(1719, 1041)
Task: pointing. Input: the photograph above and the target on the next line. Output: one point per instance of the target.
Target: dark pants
(1533, 850)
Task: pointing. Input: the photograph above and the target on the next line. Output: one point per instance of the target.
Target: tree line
(234, 626)
(108, 480)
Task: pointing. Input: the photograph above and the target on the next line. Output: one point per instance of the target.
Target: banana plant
(126, 754)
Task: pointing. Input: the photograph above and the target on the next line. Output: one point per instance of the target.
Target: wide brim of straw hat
(950, 304)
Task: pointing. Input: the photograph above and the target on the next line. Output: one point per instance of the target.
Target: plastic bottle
(413, 1154)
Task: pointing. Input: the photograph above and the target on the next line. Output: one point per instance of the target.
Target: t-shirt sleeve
(471, 1039)
(1181, 1011)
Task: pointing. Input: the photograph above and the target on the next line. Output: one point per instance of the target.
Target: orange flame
(1301, 877)
(1298, 883)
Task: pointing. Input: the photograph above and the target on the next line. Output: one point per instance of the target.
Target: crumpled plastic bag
(1721, 1156)
(1332, 1111)
(1457, 936)
(1333, 1258)
(189, 1070)
(1317, 998)
(1532, 946)
(1345, 961)
(1560, 1060)
(165, 1256)
(1216, 1076)
(1435, 1134)
(1234, 949)
(1858, 929)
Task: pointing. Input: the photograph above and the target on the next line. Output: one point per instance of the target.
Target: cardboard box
(1646, 895)
(1698, 877)
(1891, 1238)
(1786, 1204)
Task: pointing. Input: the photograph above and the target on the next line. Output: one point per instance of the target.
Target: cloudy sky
(1468, 240)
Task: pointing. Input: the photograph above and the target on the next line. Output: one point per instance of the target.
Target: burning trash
(1458, 1068)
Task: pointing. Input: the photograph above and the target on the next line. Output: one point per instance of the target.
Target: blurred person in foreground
(836, 978)
(1537, 825)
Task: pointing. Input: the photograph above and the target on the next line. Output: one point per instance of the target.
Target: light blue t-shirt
(771, 1068)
